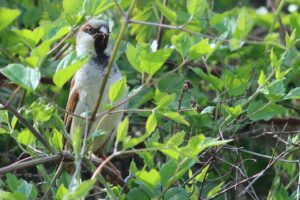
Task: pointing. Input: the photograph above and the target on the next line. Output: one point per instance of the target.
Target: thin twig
(160, 29)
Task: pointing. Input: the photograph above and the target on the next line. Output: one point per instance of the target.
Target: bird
(92, 40)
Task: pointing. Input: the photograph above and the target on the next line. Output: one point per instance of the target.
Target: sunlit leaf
(7, 16)
(26, 77)
(122, 130)
(117, 90)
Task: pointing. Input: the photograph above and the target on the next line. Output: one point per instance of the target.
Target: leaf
(26, 137)
(122, 130)
(202, 48)
(81, 190)
(163, 100)
(262, 79)
(234, 111)
(23, 76)
(196, 8)
(67, 67)
(293, 94)
(12, 182)
(259, 110)
(244, 24)
(176, 117)
(132, 56)
(137, 194)
(202, 175)
(176, 194)
(176, 139)
(25, 188)
(72, 6)
(7, 16)
(216, 83)
(145, 61)
(151, 124)
(31, 38)
(152, 62)
(199, 143)
(167, 12)
(275, 90)
(151, 178)
(57, 139)
(182, 43)
(61, 192)
(215, 190)
(117, 90)
(167, 171)
(91, 7)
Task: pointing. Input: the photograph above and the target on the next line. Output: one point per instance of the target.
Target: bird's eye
(90, 30)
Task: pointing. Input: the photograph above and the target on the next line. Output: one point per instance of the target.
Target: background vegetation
(213, 105)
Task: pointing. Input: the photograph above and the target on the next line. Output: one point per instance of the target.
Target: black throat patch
(100, 45)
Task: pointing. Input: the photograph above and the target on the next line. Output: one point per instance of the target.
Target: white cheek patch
(103, 30)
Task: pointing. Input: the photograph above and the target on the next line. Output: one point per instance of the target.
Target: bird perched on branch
(92, 40)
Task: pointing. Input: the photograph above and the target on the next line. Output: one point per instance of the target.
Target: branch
(160, 29)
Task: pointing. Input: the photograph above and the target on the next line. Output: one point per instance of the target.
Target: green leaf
(196, 8)
(118, 90)
(176, 139)
(132, 56)
(12, 182)
(262, 79)
(199, 143)
(81, 190)
(26, 137)
(144, 61)
(122, 130)
(25, 188)
(275, 90)
(202, 48)
(175, 116)
(176, 194)
(167, 12)
(163, 100)
(234, 111)
(91, 7)
(293, 94)
(7, 16)
(67, 67)
(57, 139)
(167, 171)
(137, 194)
(40, 52)
(72, 6)
(215, 190)
(182, 43)
(216, 83)
(31, 38)
(151, 124)
(151, 178)
(260, 110)
(236, 81)
(61, 192)
(201, 176)
(23, 76)
(153, 61)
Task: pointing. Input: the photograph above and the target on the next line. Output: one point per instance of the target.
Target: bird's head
(92, 38)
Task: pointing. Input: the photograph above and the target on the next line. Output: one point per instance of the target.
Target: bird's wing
(71, 105)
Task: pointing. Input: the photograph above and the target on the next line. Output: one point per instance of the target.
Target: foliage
(213, 100)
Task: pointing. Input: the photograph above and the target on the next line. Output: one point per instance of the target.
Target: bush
(212, 107)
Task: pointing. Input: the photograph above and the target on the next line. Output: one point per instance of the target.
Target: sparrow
(92, 40)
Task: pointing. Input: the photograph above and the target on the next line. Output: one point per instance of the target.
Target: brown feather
(71, 105)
